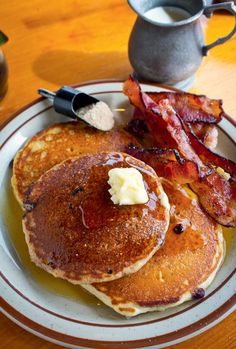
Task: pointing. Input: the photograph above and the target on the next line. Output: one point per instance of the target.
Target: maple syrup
(227, 232)
(228, 236)
(12, 215)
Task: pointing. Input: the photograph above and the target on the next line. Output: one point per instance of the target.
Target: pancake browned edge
(58, 143)
(187, 262)
(73, 229)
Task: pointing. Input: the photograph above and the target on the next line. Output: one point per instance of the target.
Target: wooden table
(64, 42)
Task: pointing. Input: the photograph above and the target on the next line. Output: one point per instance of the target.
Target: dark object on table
(3, 67)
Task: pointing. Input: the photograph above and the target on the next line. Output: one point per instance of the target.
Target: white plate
(70, 320)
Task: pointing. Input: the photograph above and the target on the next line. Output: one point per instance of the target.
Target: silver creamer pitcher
(170, 53)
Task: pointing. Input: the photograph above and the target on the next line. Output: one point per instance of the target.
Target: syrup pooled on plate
(12, 214)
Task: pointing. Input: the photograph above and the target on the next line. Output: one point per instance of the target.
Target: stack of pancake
(135, 258)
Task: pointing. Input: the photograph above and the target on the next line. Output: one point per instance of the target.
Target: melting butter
(127, 186)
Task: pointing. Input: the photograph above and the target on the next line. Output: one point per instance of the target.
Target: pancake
(186, 264)
(56, 144)
(73, 229)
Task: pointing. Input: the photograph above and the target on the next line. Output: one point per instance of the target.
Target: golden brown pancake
(186, 263)
(58, 143)
(73, 229)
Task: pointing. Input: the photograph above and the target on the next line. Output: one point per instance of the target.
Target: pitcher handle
(229, 6)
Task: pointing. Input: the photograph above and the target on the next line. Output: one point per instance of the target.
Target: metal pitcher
(170, 53)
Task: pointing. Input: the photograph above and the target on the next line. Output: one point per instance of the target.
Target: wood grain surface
(54, 43)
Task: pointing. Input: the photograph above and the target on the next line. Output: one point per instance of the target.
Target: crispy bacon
(160, 133)
(208, 156)
(188, 144)
(157, 127)
(198, 110)
(175, 128)
(163, 122)
(132, 89)
(216, 194)
(161, 154)
(167, 163)
(207, 133)
(190, 107)
(217, 197)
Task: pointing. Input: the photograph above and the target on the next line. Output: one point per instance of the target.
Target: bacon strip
(159, 130)
(215, 193)
(163, 121)
(188, 144)
(208, 156)
(191, 107)
(207, 133)
(198, 110)
(175, 128)
(167, 163)
(132, 89)
(156, 127)
(217, 197)
(161, 154)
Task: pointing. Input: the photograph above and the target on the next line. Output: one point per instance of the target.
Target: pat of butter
(127, 187)
(221, 171)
